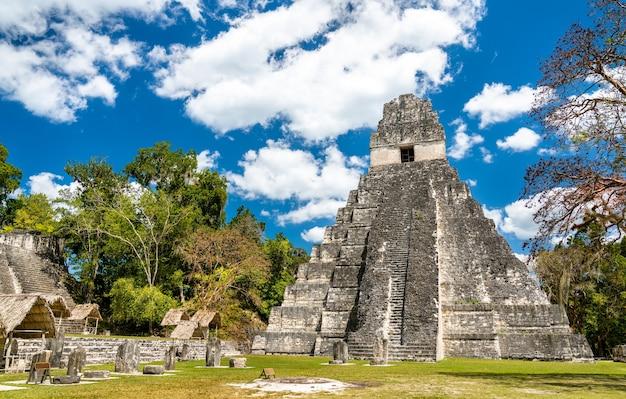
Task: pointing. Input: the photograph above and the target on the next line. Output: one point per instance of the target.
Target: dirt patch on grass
(300, 385)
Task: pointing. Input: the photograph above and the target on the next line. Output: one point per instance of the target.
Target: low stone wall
(103, 350)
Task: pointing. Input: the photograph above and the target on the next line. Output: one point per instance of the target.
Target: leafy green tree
(88, 248)
(9, 182)
(146, 223)
(284, 261)
(207, 191)
(163, 168)
(175, 172)
(588, 278)
(35, 214)
(245, 221)
(139, 306)
(225, 264)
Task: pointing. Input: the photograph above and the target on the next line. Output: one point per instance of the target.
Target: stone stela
(213, 352)
(413, 270)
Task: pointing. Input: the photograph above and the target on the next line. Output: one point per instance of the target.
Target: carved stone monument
(56, 345)
(213, 352)
(412, 255)
(184, 353)
(76, 361)
(340, 352)
(170, 358)
(127, 358)
(380, 351)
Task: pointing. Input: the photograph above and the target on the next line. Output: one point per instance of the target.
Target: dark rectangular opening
(407, 154)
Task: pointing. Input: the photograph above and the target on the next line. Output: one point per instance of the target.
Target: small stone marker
(76, 361)
(66, 379)
(184, 353)
(127, 359)
(39, 367)
(170, 358)
(237, 362)
(340, 353)
(213, 352)
(96, 374)
(268, 373)
(153, 369)
(381, 352)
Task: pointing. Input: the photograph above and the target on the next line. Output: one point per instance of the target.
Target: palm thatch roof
(174, 316)
(206, 318)
(86, 310)
(26, 316)
(187, 329)
(57, 305)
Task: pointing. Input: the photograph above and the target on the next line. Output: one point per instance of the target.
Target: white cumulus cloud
(314, 235)
(462, 141)
(324, 66)
(516, 218)
(498, 102)
(278, 172)
(486, 154)
(34, 16)
(207, 159)
(315, 209)
(523, 139)
(48, 184)
(56, 55)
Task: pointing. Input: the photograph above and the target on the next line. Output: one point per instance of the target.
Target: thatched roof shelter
(206, 318)
(26, 316)
(57, 305)
(86, 311)
(174, 316)
(188, 329)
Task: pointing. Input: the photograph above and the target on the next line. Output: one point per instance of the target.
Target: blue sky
(286, 92)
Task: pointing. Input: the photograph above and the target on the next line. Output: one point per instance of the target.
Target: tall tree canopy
(9, 182)
(582, 107)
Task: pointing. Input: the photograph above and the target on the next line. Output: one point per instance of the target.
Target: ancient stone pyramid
(412, 259)
(32, 263)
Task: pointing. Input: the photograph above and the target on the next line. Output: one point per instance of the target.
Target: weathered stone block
(341, 299)
(66, 379)
(364, 215)
(237, 362)
(127, 359)
(96, 374)
(290, 342)
(151, 369)
(346, 276)
(334, 323)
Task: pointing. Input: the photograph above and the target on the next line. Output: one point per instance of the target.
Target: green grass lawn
(451, 378)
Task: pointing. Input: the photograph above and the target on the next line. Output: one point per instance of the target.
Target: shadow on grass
(568, 381)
